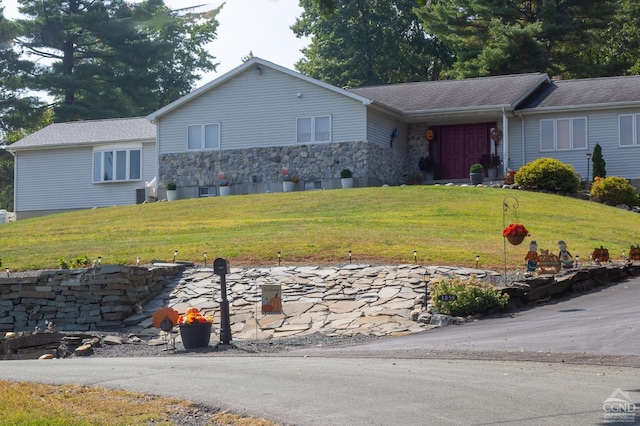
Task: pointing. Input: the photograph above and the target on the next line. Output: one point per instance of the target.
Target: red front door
(460, 147)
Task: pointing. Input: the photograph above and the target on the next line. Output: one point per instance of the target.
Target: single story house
(83, 164)
(259, 119)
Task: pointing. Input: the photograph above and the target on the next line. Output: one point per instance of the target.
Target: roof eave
(13, 149)
(587, 107)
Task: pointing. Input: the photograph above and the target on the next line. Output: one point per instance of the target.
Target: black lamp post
(426, 277)
(588, 164)
(221, 268)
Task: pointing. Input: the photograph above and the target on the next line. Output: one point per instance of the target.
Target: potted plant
(515, 233)
(491, 162)
(223, 184)
(476, 173)
(346, 178)
(195, 329)
(172, 191)
(288, 180)
(428, 165)
(415, 178)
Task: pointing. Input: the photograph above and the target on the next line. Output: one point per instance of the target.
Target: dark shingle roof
(472, 93)
(89, 132)
(606, 91)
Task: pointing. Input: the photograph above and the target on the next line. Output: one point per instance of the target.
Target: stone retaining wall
(86, 299)
(257, 170)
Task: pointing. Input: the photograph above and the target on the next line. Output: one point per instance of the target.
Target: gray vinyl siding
(602, 128)
(259, 109)
(379, 129)
(515, 144)
(61, 179)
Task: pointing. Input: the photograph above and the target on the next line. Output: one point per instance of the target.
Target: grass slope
(445, 225)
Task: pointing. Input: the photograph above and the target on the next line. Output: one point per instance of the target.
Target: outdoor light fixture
(415, 256)
(349, 256)
(99, 260)
(588, 161)
(7, 270)
(279, 256)
(477, 260)
(175, 254)
(138, 260)
(426, 277)
(204, 253)
(577, 260)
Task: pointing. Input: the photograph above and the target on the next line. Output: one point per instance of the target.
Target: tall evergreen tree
(367, 42)
(508, 36)
(113, 58)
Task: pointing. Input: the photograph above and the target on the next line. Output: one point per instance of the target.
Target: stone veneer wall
(418, 145)
(79, 300)
(255, 170)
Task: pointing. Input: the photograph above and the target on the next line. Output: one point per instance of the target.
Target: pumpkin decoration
(548, 263)
(600, 254)
(634, 252)
(431, 135)
(276, 303)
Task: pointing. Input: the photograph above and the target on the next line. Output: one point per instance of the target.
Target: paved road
(397, 387)
(603, 323)
(331, 391)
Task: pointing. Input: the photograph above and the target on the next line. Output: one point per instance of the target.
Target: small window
(119, 165)
(200, 137)
(628, 128)
(207, 191)
(547, 142)
(563, 134)
(313, 129)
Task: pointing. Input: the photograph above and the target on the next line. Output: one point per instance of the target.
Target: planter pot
(195, 335)
(515, 239)
(476, 178)
(224, 190)
(492, 173)
(172, 194)
(288, 185)
(346, 183)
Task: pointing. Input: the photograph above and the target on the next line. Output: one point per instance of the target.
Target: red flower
(515, 229)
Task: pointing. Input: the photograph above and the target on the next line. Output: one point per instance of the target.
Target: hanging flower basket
(515, 233)
(515, 239)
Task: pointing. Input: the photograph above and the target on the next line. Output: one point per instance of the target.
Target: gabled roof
(88, 133)
(443, 96)
(252, 63)
(605, 92)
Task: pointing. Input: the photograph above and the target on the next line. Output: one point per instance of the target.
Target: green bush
(548, 174)
(78, 262)
(614, 190)
(599, 164)
(473, 297)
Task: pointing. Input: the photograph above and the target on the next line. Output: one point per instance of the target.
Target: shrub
(473, 297)
(476, 168)
(78, 262)
(548, 174)
(346, 174)
(598, 163)
(614, 190)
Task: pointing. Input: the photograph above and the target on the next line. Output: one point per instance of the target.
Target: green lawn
(445, 225)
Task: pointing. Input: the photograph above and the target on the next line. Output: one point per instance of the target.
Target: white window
(629, 128)
(563, 134)
(313, 129)
(117, 165)
(203, 136)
